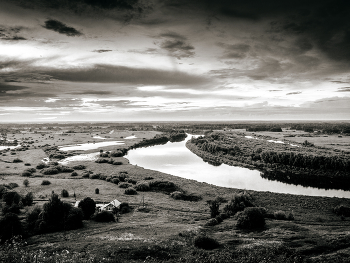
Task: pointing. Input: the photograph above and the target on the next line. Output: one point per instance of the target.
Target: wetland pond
(175, 159)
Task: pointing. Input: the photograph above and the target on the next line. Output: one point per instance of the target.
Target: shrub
(101, 160)
(50, 171)
(177, 195)
(122, 176)
(26, 182)
(142, 186)
(97, 191)
(64, 193)
(250, 217)
(26, 174)
(27, 164)
(290, 216)
(124, 185)
(116, 153)
(10, 226)
(102, 177)
(31, 170)
(117, 163)
(41, 166)
(45, 182)
(64, 169)
(12, 185)
(88, 206)
(11, 198)
(16, 160)
(280, 215)
(85, 175)
(115, 180)
(124, 208)
(79, 167)
(27, 200)
(165, 186)
(205, 242)
(131, 181)
(148, 178)
(238, 203)
(104, 216)
(130, 191)
(214, 207)
(14, 208)
(342, 210)
(94, 176)
(74, 174)
(32, 217)
(103, 154)
(212, 222)
(74, 219)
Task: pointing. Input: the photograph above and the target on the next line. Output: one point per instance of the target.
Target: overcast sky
(141, 60)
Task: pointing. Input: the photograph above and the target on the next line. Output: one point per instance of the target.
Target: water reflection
(176, 159)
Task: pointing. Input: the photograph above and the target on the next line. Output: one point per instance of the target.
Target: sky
(186, 60)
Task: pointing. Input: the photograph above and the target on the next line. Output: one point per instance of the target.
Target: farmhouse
(108, 207)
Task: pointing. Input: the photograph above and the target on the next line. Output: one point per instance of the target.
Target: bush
(74, 174)
(148, 178)
(205, 242)
(85, 175)
(238, 203)
(97, 191)
(280, 215)
(342, 210)
(28, 199)
(11, 198)
(117, 163)
(115, 180)
(130, 191)
(32, 217)
(101, 160)
(26, 174)
(14, 208)
(64, 193)
(26, 182)
(131, 181)
(27, 164)
(214, 207)
(31, 170)
(116, 153)
(104, 216)
(122, 176)
(124, 208)
(41, 166)
(79, 167)
(177, 195)
(74, 219)
(88, 206)
(165, 186)
(124, 185)
(64, 169)
(212, 222)
(45, 182)
(16, 160)
(94, 176)
(10, 226)
(50, 171)
(250, 217)
(142, 186)
(12, 185)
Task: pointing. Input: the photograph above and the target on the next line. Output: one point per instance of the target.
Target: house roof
(115, 203)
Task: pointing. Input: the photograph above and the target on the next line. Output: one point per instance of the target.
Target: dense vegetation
(305, 165)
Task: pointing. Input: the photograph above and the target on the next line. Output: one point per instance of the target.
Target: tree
(11, 198)
(27, 200)
(10, 226)
(25, 182)
(88, 206)
(214, 208)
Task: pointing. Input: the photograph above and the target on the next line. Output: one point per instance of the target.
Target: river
(176, 159)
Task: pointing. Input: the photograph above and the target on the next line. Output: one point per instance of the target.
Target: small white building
(108, 207)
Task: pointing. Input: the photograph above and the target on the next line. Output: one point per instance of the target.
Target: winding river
(176, 159)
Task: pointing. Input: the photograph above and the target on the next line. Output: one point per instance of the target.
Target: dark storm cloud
(102, 73)
(294, 93)
(4, 88)
(344, 89)
(92, 92)
(61, 28)
(176, 45)
(234, 51)
(102, 50)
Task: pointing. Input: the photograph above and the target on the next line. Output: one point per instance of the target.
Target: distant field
(329, 141)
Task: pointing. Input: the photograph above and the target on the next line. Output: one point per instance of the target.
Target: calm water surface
(176, 159)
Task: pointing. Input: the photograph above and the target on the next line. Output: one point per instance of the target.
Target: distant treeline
(308, 166)
(172, 136)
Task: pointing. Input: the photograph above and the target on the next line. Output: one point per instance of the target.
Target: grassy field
(316, 231)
